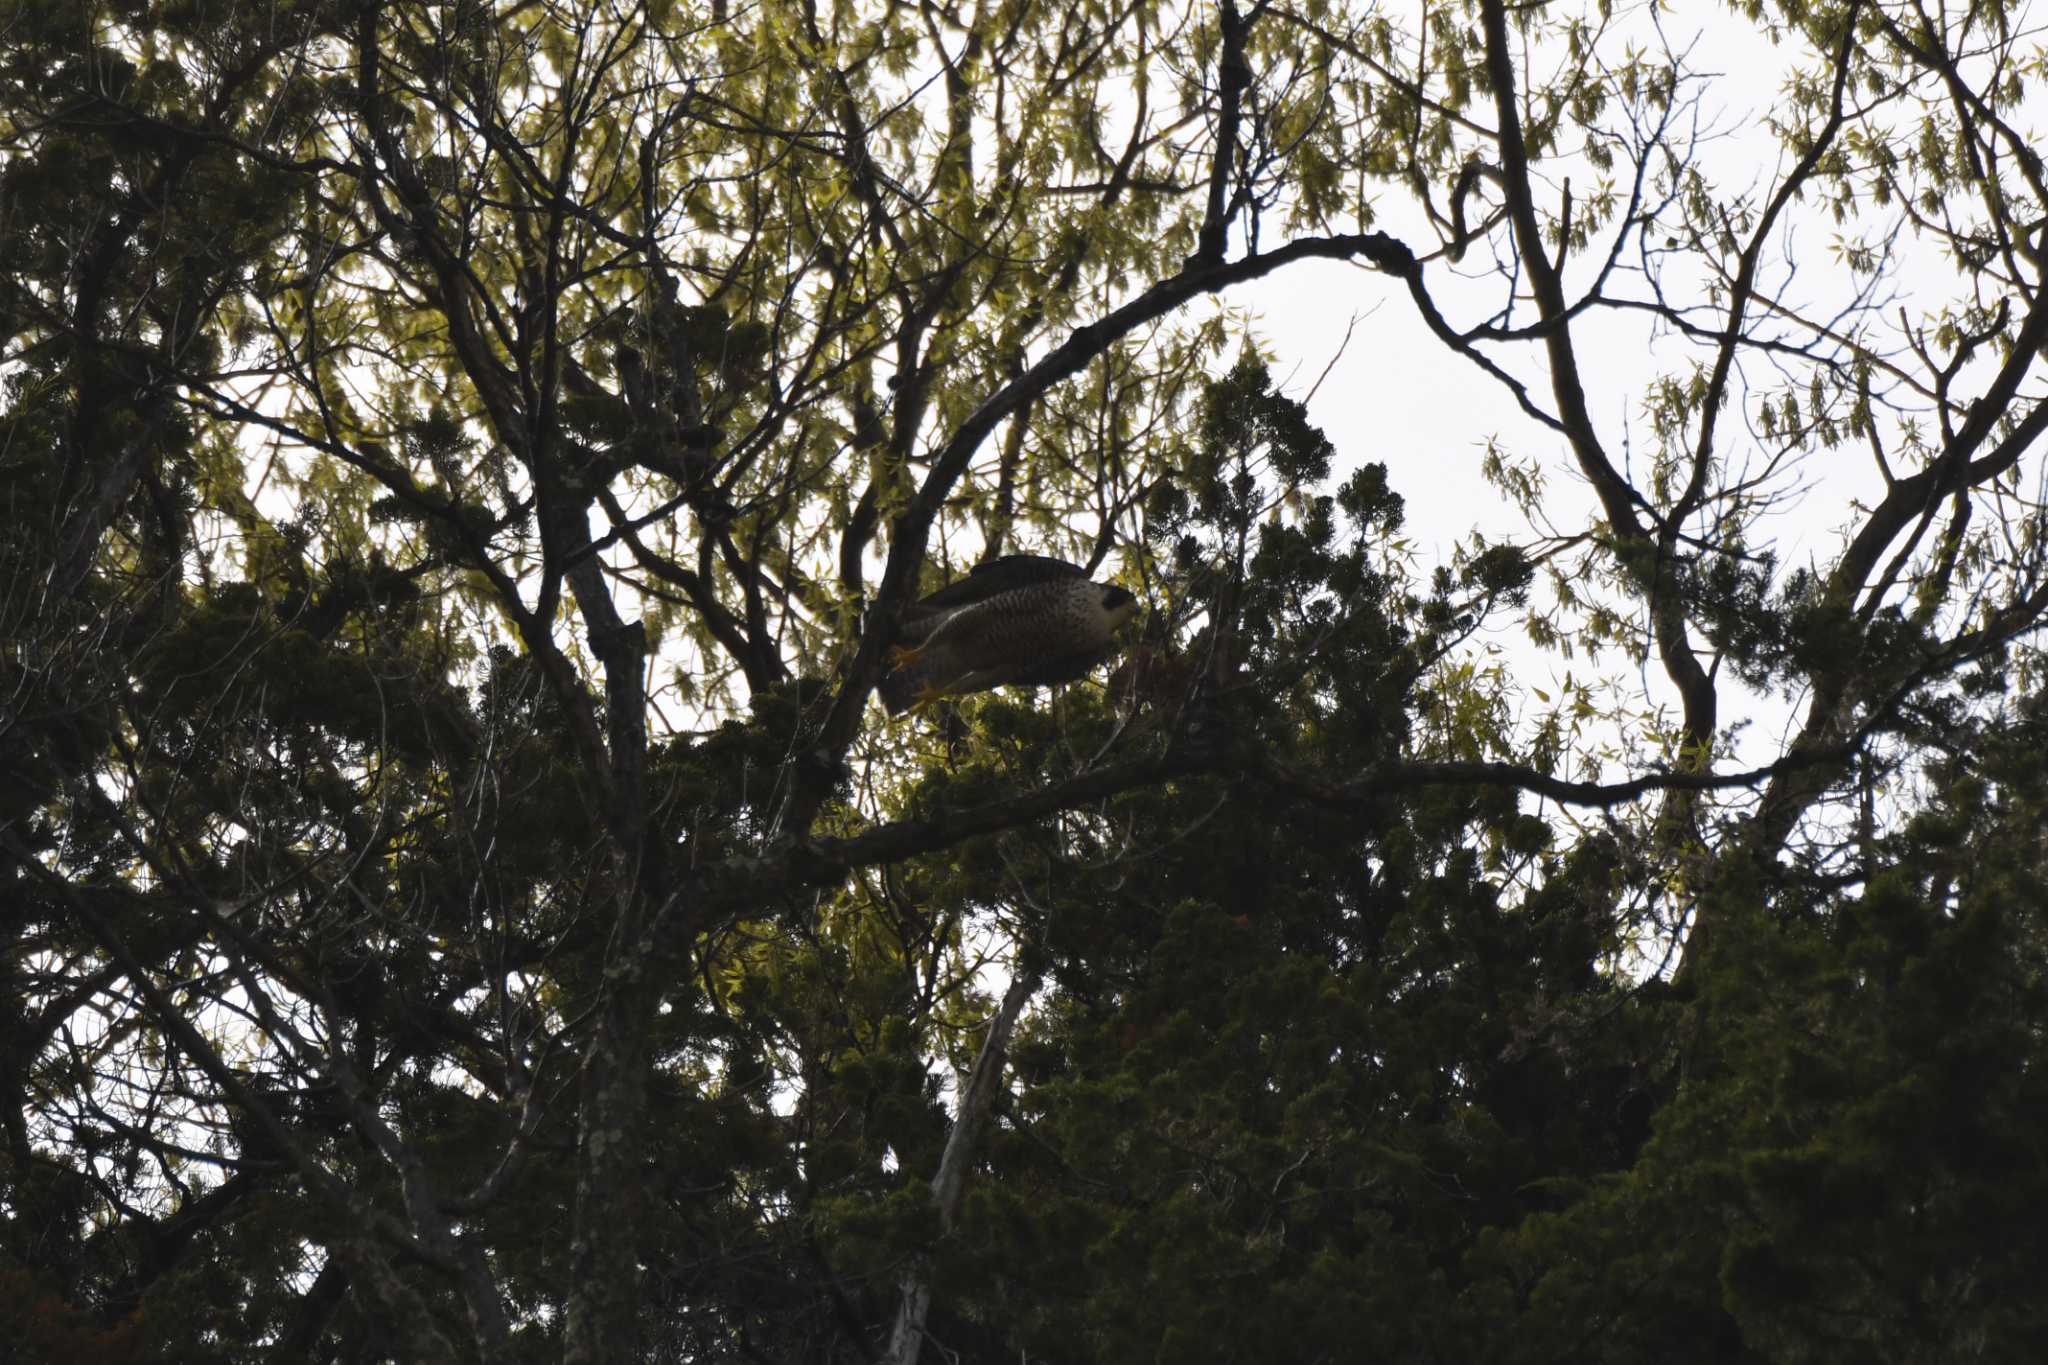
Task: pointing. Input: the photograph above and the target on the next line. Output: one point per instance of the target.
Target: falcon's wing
(987, 579)
(1001, 574)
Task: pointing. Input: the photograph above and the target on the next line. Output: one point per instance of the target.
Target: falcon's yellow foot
(902, 656)
(926, 696)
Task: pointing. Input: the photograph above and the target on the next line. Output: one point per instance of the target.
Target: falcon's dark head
(1118, 604)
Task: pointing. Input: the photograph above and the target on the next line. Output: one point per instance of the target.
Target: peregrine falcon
(1020, 620)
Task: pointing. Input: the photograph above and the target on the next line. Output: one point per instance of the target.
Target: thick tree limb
(827, 859)
(1619, 499)
(906, 1341)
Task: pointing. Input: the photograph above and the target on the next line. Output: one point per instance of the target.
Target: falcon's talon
(903, 656)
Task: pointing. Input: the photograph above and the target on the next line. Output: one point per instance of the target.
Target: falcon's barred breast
(1020, 620)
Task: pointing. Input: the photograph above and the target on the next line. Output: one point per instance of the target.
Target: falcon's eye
(1114, 597)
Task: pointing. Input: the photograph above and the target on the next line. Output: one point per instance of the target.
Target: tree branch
(907, 1340)
(828, 859)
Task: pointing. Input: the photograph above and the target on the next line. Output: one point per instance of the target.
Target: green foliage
(1848, 1167)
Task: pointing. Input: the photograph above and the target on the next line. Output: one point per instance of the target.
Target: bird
(1014, 621)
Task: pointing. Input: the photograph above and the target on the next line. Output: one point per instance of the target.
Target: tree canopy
(463, 462)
